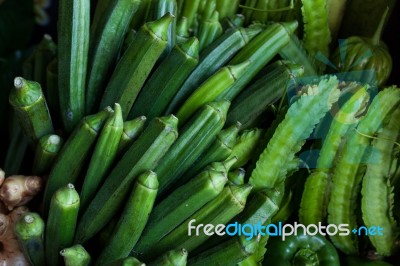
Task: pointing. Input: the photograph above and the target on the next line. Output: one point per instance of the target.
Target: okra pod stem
(46, 152)
(29, 230)
(30, 108)
(131, 131)
(75, 256)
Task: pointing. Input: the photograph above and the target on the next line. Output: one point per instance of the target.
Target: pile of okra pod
(149, 117)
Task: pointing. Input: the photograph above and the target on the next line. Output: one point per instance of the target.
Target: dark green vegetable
(29, 104)
(131, 131)
(29, 230)
(172, 258)
(75, 256)
(301, 250)
(46, 152)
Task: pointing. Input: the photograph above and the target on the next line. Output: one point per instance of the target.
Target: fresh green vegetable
(346, 179)
(60, 226)
(166, 80)
(172, 258)
(30, 108)
(136, 64)
(46, 152)
(144, 154)
(133, 219)
(29, 230)
(103, 156)
(131, 131)
(73, 47)
(75, 256)
(72, 156)
(107, 32)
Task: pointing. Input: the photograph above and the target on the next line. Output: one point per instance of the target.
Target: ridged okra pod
(29, 230)
(132, 220)
(107, 32)
(219, 150)
(249, 105)
(29, 104)
(110, 24)
(259, 52)
(131, 131)
(166, 80)
(61, 222)
(230, 252)
(195, 137)
(209, 30)
(128, 261)
(144, 154)
(176, 257)
(103, 156)
(221, 210)
(179, 205)
(75, 256)
(73, 47)
(211, 59)
(162, 7)
(136, 64)
(44, 54)
(46, 152)
(211, 89)
(73, 154)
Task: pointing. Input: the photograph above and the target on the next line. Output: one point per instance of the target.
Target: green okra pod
(136, 64)
(195, 137)
(209, 30)
(128, 261)
(103, 156)
(46, 152)
(259, 52)
(227, 8)
(219, 150)
(211, 89)
(61, 222)
(73, 154)
(245, 146)
(44, 54)
(131, 131)
(29, 104)
(220, 210)
(179, 205)
(107, 32)
(255, 100)
(233, 22)
(73, 47)
(162, 7)
(189, 11)
(29, 230)
(27, 67)
(182, 31)
(172, 258)
(133, 219)
(75, 256)
(143, 155)
(237, 176)
(166, 80)
(211, 60)
(52, 96)
(230, 252)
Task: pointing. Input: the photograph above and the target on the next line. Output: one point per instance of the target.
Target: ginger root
(10, 252)
(17, 190)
